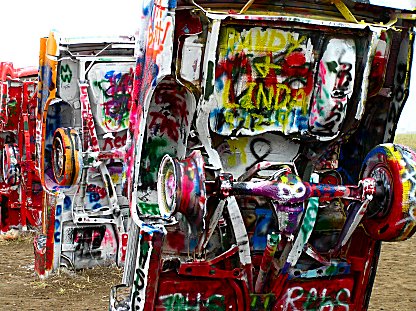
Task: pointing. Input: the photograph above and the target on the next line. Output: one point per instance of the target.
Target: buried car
(260, 169)
(83, 109)
(20, 188)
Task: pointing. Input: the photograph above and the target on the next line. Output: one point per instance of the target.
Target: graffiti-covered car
(261, 170)
(83, 114)
(20, 188)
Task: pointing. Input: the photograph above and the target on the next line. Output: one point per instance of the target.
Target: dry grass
(66, 282)
(21, 289)
(16, 236)
(406, 139)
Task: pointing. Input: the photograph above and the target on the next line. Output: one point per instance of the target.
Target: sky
(23, 22)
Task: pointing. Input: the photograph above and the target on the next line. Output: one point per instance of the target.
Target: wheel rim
(58, 157)
(382, 201)
(167, 185)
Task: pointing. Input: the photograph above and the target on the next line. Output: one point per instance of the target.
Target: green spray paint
(66, 73)
(180, 302)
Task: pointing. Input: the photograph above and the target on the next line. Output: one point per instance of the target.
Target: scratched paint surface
(334, 86)
(92, 245)
(46, 249)
(169, 121)
(13, 105)
(238, 155)
(46, 92)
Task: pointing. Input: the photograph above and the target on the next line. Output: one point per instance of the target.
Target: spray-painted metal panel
(21, 193)
(83, 111)
(264, 81)
(248, 129)
(111, 95)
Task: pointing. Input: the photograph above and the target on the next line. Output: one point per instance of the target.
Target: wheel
(11, 164)
(181, 187)
(391, 215)
(66, 156)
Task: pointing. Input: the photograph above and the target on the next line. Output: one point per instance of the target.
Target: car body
(21, 192)
(83, 109)
(261, 172)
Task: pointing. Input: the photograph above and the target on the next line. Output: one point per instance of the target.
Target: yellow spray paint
(238, 153)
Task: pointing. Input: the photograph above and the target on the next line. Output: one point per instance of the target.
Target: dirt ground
(20, 289)
(395, 284)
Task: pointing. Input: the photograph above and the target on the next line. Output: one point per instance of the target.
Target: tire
(391, 215)
(66, 156)
(11, 164)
